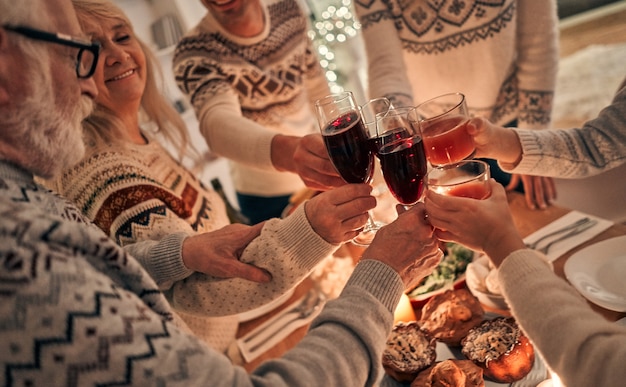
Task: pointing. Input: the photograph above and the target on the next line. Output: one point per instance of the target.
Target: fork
(311, 303)
(569, 227)
(575, 231)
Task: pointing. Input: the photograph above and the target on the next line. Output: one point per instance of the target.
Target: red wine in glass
(346, 141)
(390, 136)
(403, 163)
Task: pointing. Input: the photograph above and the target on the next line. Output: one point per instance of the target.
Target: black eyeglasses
(87, 51)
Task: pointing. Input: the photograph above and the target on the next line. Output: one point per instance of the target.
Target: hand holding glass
(345, 138)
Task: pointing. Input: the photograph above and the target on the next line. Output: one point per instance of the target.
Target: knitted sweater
(596, 147)
(247, 90)
(77, 310)
(502, 55)
(578, 344)
(140, 193)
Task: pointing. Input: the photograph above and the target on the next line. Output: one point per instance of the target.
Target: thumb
(253, 232)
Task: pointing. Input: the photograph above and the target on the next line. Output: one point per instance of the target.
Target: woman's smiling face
(121, 72)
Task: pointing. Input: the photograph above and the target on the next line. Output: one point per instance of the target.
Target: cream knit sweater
(247, 90)
(502, 55)
(140, 193)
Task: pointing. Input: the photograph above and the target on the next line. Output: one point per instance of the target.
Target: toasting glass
(401, 154)
(442, 122)
(345, 137)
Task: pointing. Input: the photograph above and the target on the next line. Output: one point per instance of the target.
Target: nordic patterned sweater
(503, 55)
(77, 310)
(247, 90)
(140, 193)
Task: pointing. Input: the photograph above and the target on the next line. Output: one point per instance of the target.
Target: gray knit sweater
(77, 310)
(570, 153)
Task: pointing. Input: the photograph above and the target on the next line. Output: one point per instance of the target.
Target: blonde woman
(130, 187)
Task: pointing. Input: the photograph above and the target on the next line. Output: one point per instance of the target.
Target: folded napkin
(280, 326)
(564, 246)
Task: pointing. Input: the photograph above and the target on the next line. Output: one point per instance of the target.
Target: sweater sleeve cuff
(166, 260)
(520, 263)
(378, 279)
(531, 153)
(297, 236)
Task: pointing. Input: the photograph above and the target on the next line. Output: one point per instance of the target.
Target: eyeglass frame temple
(63, 39)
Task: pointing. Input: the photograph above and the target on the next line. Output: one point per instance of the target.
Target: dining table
(526, 220)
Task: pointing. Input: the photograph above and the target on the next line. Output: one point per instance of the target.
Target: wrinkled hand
(338, 215)
(407, 245)
(217, 253)
(482, 225)
(313, 164)
(539, 191)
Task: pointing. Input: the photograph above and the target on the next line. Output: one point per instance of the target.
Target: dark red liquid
(385, 138)
(346, 142)
(403, 164)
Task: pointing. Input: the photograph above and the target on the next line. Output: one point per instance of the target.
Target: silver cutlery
(304, 310)
(579, 223)
(573, 232)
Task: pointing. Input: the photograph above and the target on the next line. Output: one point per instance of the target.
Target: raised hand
(339, 214)
(312, 163)
(407, 245)
(482, 225)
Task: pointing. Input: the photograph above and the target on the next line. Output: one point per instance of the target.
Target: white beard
(49, 136)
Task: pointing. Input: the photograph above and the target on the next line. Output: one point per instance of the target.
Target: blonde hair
(103, 126)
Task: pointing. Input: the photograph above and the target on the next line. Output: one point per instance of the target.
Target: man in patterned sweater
(76, 309)
(252, 76)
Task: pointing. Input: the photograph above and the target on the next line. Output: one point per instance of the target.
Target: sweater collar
(11, 171)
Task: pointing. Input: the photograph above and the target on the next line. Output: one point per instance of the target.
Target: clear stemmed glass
(345, 138)
(401, 154)
(369, 110)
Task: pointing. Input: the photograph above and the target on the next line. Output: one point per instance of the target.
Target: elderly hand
(407, 245)
(482, 225)
(217, 253)
(338, 215)
(312, 163)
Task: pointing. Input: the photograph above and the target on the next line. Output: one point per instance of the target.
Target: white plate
(598, 273)
(261, 310)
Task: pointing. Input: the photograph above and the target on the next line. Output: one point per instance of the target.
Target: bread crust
(450, 315)
(451, 373)
(501, 349)
(409, 350)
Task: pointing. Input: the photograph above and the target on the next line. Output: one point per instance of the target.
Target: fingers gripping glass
(88, 52)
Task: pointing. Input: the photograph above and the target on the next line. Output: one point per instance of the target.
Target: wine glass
(345, 138)
(402, 157)
(401, 154)
(369, 110)
(468, 178)
(442, 122)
